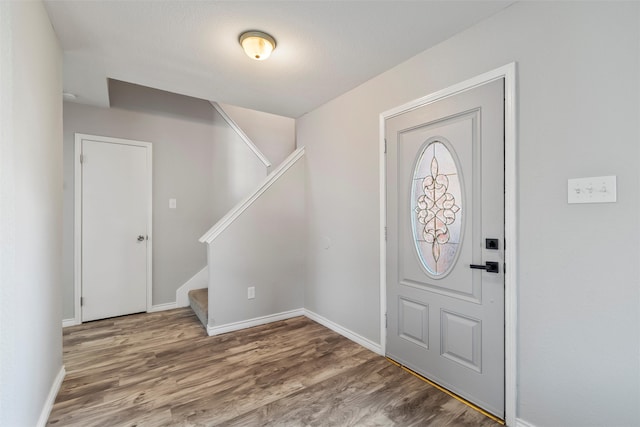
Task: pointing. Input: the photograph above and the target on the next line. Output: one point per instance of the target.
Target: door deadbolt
(492, 244)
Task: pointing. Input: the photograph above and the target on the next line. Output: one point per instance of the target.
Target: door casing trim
(508, 73)
(77, 217)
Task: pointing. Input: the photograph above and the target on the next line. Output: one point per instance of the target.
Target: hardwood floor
(161, 369)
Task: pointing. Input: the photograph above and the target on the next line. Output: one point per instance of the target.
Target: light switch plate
(173, 203)
(597, 189)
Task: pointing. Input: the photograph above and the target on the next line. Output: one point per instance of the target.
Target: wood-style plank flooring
(161, 369)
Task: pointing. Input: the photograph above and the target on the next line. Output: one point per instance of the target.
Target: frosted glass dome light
(257, 45)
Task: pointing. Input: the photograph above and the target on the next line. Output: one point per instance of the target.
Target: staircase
(255, 252)
(199, 302)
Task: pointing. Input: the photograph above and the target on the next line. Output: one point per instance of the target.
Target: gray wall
(273, 134)
(203, 165)
(236, 169)
(130, 96)
(264, 248)
(578, 285)
(30, 212)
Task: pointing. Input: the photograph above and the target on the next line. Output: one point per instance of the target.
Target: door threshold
(450, 393)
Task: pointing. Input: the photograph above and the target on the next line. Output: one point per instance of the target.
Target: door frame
(77, 217)
(508, 73)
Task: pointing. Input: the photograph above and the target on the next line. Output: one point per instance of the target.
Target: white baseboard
(523, 423)
(359, 339)
(153, 309)
(236, 326)
(162, 307)
(198, 281)
(69, 322)
(51, 398)
(257, 321)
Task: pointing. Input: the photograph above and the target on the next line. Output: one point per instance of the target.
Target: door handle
(489, 267)
(140, 238)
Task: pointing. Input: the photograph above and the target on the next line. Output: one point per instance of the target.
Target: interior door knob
(140, 238)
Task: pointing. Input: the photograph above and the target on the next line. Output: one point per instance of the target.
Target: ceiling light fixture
(257, 45)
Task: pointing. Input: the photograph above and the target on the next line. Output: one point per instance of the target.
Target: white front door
(116, 195)
(445, 248)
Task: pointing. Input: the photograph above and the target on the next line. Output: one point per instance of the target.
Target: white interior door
(116, 195)
(445, 213)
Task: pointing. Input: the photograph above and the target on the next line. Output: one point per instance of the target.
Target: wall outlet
(251, 292)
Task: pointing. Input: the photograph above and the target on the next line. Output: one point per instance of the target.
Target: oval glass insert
(436, 209)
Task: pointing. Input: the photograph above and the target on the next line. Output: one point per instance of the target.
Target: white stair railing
(242, 135)
(234, 213)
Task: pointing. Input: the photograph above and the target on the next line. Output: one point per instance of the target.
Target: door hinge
(385, 234)
(385, 146)
(81, 301)
(81, 158)
(386, 321)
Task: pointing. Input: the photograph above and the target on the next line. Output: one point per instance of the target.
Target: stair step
(199, 301)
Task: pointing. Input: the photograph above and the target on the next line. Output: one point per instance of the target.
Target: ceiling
(324, 48)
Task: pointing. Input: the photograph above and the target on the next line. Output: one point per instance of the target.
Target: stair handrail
(237, 210)
(241, 134)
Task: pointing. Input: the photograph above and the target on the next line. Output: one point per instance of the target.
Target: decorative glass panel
(436, 209)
